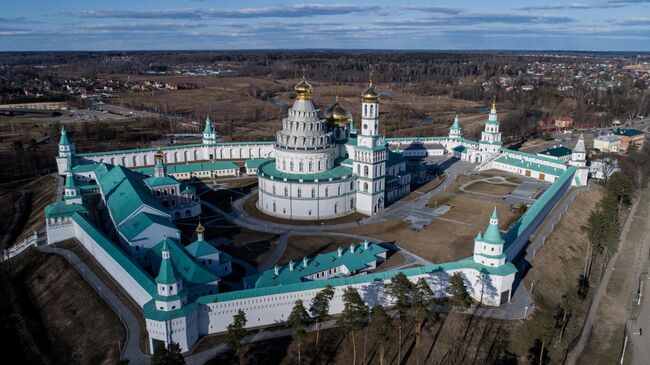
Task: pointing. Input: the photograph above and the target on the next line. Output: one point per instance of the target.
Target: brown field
(438, 242)
(473, 211)
(233, 100)
(55, 314)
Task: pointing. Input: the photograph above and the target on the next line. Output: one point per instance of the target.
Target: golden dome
(338, 114)
(303, 89)
(370, 95)
(199, 228)
(159, 155)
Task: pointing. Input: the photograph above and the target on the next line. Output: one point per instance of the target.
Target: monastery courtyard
(435, 223)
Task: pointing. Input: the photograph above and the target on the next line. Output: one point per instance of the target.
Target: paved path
(131, 349)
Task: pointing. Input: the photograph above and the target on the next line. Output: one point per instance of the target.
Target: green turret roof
(492, 233)
(64, 137)
(479, 236)
(456, 124)
(208, 126)
(69, 182)
(167, 274)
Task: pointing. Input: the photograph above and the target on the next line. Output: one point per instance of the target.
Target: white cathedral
(324, 168)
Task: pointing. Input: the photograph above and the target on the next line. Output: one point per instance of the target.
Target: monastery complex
(122, 206)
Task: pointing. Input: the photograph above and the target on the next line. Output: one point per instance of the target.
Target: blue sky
(602, 25)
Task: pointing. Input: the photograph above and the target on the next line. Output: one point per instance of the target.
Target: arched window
(358, 169)
(300, 165)
(274, 207)
(313, 192)
(339, 190)
(273, 189)
(311, 165)
(351, 203)
(326, 192)
(286, 191)
(291, 165)
(365, 186)
(299, 193)
(351, 185)
(319, 165)
(365, 170)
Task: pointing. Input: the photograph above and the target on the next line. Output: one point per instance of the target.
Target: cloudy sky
(622, 25)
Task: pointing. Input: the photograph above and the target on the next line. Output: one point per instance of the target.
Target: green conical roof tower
(64, 137)
(492, 233)
(167, 274)
(456, 124)
(208, 126)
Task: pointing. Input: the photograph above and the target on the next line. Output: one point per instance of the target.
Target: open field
(467, 209)
(440, 241)
(251, 105)
(52, 315)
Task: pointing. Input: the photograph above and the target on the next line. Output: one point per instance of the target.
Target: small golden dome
(338, 114)
(159, 155)
(199, 228)
(370, 95)
(303, 89)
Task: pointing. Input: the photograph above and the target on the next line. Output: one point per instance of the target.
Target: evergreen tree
(423, 302)
(298, 320)
(458, 296)
(354, 315)
(400, 289)
(382, 327)
(236, 332)
(320, 308)
(167, 355)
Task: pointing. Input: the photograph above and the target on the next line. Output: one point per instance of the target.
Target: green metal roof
(456, 124)
(174, 147)
(394, 158)
(208, 126)
(137, 224)
(192, 272)
(519, 163)
(125, 192)
(201, 248)
(532, 156)
(353, 261)
(64, 138)
(254, 163)
(188, 189)
(627, 132)
(492, 233)
(78, 169)
(134, 270)
(69, 182)
(193, 167)
(268, 170)
(167, 273)
(560, 151)
(62, 209)
(522, 223)
(161, 181)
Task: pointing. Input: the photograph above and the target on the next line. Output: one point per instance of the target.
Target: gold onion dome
(338, 114)
(159, 154)
(199, 228)
(303, 89)
(370, 95)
